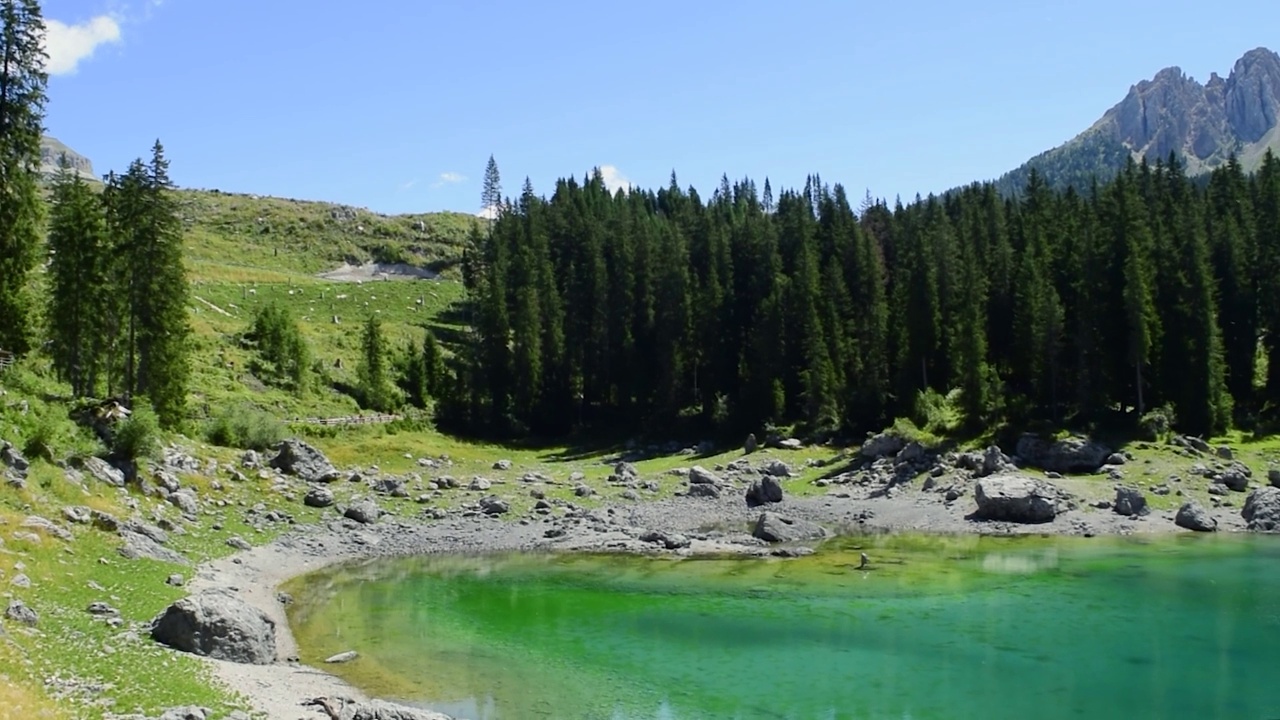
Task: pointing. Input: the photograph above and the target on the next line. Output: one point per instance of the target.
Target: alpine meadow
(744, 451)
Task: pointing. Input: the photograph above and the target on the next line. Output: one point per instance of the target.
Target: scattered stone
(994, 461)
(791, 444)
(1226, 453)
(1236, 477)
(251, 460)
(1069, 455)
(910, 453)
(219, 625)
(342, 657)
(46, 526)
(953, 494)
(238, 543)
(395, 487)
(1130, 502)
(20, 581)
(318, 497)
(294, 457)
(751, 445)
(882, 445)
(699, 475)
(1017, 499)
(12, 458)
(1273, 477)
(175, 580)
(480, 484)
(20, 613)
(77, 514)
(1262, 510)
(502, 465)
(167, 480)
(101, 609)
(774, 528)
(1193, 516)
(1218, 490)
(765, 490)
(189, 712)
(552, 533)
(1198, 444)
(1116, 459)
(704, 490)
(672, 541)
(494, 505)
(103, 472)
(363, 511)
(630, 494)
(185, 500)
(776, 468)
(137, 545)
(584, 491)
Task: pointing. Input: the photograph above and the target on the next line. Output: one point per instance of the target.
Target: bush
(1157, 423)
(245, 427)
(138, 436)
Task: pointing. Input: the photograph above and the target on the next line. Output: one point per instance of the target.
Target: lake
(936, 627)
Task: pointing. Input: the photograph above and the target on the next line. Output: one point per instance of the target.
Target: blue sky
(396, 105)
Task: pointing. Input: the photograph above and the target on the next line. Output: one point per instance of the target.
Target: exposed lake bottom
(937, 627)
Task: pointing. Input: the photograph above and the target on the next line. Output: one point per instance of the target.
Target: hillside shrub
(245, 427)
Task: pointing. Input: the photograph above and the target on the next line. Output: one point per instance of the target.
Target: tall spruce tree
(22, 99)
(146, 235)
(78, 289)
(372, 376)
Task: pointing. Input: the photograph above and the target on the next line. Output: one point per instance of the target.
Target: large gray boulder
(219, 625)
(1236, 477)
(763, 491)
(1014, 498)
(1193, 516)
(775, 528)
(1068, 455)
(1262, 510)
(294, 457)
(1130, 501)
(706, 490)
(699, 475)
(102, 471)
(12, 458)
(882, 445)
(381, 710)
(137, 545)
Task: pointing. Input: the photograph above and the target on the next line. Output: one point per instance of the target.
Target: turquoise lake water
(937, 628)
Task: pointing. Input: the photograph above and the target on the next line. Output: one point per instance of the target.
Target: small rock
(1129, 501)
(318, 497)
(79, 515)
(776, 468)
(238, 543)
(175, 580)
(1116, 459)
(342, 657)
(494, 505)
(502, 465)
(751, 445)
(20, 613)
(480, 484)
(763, 491)
(1226, 453)
(704, 490)
(46, 526)
(699, 475)
(672, 541)
(101, 609)
(791, 444)
(583, 491)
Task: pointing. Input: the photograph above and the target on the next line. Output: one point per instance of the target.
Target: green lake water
(963, 627)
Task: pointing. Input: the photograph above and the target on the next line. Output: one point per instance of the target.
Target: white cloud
(448, 178)
(408, 185)
(489, 213)
(614, 179)
(67, 44)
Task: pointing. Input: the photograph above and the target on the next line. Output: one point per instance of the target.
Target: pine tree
(372, 377)
(1132, 240)
(78, 289)
(284, 357)
(146, 232)
(22, 99)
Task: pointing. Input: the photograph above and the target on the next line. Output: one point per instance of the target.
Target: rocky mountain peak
(51, 149)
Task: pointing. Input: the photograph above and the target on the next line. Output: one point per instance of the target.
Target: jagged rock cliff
(51, 149)
(1203, 123)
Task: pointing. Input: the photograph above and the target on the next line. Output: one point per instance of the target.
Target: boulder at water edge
(219, 625)
(777, 528)
(1130, 501)
(1193, 516)
(1014, 498)
(765, 490)
(1262, 510)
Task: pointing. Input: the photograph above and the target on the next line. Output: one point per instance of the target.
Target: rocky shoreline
(752, 505)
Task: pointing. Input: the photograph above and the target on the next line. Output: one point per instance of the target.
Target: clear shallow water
(940, 628)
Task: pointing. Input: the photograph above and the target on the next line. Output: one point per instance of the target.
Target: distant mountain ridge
(1205, 124)
(51, 149)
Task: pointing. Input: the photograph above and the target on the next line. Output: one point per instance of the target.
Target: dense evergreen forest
(656, 310)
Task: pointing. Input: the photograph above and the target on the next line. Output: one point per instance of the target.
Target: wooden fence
(6, 360)
(350, 420)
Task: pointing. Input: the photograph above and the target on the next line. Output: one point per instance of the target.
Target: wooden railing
(6, 360)
(350, 420)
